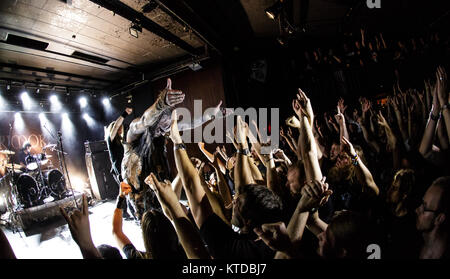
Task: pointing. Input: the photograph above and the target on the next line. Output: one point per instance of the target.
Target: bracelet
(124, 114)
(445, 107)
(355, 160)
(244, 151)
(435, 117)
(179, 146)
(120, 201)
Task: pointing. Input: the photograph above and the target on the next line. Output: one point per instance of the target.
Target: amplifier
(95, 146)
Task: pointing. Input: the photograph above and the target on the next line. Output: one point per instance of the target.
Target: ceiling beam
(134, 16)
(53, 72)
(184, 13)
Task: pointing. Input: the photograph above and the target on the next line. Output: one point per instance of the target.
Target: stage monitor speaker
(41, 218)
(99, 169)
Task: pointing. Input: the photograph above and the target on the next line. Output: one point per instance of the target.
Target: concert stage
(52, 239)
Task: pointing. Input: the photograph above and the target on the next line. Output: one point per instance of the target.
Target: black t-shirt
(224, 243)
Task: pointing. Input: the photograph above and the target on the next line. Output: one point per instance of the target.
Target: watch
(179, 146)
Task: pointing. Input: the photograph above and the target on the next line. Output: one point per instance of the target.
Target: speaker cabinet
(98, 166)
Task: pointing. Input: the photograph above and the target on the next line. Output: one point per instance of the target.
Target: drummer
(24, 152)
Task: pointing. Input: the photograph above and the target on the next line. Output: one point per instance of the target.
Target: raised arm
(362, 172)
(198, 201)
(118, 123)
(117, 231)
(392, 141)
(442, 92)
(79, 227)
(224, 190)
(166, 99)
(242, 172)
(430, 129)
(186, 231)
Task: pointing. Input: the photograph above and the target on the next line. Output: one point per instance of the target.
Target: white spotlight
(55, 104)
(26, 100)
(19, 124)
(85, 116)
(65, 115)
(83, 102)
(53, 99)
(105, 101)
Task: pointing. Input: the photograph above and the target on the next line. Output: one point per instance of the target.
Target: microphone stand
(14, 193)
(65, 166)
(63, 170)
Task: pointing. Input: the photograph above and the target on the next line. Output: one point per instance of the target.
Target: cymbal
(51, 145)
(15, 166)
(7, 152)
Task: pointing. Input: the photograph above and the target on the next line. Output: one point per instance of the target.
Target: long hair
(160, 238)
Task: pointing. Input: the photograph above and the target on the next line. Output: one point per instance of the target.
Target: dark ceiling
(73, 45)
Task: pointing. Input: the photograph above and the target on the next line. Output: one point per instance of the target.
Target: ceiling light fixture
(134, 29)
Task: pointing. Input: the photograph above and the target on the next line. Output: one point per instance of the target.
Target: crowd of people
(376, 174)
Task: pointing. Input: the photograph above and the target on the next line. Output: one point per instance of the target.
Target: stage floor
(57, 243)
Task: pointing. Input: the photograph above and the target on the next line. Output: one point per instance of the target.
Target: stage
(54, 241)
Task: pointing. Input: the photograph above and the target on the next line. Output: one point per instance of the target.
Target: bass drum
(56, 182)
(28, 190)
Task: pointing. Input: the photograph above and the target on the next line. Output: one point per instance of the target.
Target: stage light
(26, 101)
(19, 124)
(83, 102)
(55, 104)
(273, 11)
(53, 99)
(106, 101)
(85, 116)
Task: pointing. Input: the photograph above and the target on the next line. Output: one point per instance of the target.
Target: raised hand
(293, 122)
(78, 222)
(305, 106)
(125, 189)
(341, 105)
(441, 86)
(275, 236)
(348, 147)
(241, 131)
(381, 120)
(129, 110)
(173, 97)
(339, 117)
(174, 132)
(164, 193)
(314, 194)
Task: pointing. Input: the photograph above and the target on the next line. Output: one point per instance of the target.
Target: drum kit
(34, 184)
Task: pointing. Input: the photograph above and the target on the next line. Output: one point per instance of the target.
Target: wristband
(313, 210)
(178, 146)
(120, 201)
(435, 117)
(244, 151)
(124, 114)
(445, 107)
(355, 160)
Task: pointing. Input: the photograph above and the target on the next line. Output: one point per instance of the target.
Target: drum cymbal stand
(12, 203)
